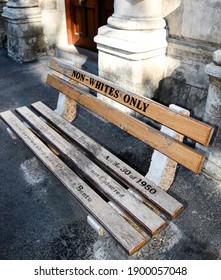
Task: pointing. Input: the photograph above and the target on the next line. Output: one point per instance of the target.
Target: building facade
(156, 48)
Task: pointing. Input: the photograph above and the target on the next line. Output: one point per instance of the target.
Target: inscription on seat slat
(146, 217)
(155, 194)
(123, 232)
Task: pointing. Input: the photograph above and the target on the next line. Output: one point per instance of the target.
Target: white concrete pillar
(212, 116)
(132, 46)
(24, 29)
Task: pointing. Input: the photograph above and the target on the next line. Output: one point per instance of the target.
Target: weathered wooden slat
(128, 175)
(101, 180)
(172, 148)
(124, 233)
(194, 129)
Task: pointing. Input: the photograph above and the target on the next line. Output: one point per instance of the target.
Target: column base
(132, 44)
(24, 33)
(132, 59)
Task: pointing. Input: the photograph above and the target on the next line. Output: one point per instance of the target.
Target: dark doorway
(84, 17)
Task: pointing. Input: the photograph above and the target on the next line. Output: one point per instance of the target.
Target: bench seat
(81, 164)
(126, 204)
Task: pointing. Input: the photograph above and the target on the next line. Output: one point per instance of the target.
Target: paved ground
(39, 218)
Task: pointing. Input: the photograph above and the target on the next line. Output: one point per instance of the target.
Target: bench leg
(162, 169)
(11, 133)
(96, 225)
(66, 107)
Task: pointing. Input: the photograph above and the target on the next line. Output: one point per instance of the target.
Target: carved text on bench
(115, 93)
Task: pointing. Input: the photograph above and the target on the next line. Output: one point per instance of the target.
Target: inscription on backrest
(127, 99)
(193, 129)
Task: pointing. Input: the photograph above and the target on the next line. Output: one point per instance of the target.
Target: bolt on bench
(128, 205)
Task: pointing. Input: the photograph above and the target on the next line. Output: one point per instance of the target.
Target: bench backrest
(187, 126)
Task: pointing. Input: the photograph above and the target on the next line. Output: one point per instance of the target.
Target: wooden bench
(128, 205)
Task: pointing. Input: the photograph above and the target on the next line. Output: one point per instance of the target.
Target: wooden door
(106, 10)
(84, 17)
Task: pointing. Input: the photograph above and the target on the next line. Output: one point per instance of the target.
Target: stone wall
(2, 24)
(194, 33)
